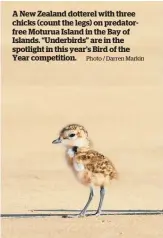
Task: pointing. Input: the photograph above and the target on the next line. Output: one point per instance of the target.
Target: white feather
(70, 153)
(77, 166)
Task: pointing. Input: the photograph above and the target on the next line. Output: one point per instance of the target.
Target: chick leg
(102, 194)
(83, 212)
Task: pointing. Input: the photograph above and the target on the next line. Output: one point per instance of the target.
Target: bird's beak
(57, 141)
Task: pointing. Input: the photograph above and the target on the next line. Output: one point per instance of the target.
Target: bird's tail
(114, 174)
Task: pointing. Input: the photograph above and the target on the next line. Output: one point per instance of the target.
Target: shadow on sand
(64, 212)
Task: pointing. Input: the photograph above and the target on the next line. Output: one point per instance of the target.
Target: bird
(90, 167)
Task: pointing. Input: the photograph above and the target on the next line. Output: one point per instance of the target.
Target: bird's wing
(95, 162)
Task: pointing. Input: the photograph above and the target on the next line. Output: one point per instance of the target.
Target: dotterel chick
(90, 167)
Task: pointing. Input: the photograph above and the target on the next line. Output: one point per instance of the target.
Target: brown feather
(73, 127)
(96, 163)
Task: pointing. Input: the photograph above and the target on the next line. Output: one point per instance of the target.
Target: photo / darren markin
(108, 58)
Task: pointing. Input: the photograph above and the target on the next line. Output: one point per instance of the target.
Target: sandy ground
(121, 226)
(121, 107)
(37, 181)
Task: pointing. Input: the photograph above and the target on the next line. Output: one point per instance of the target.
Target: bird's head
(73, 135)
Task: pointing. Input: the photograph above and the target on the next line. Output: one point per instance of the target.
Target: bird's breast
(77, 166)
(70, 156)
(70, 153)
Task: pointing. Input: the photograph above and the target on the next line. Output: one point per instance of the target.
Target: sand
(121, 107)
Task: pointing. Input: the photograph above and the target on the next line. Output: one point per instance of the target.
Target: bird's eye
(72, 135)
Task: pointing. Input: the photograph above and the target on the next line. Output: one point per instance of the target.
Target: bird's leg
(83, 212)
(102, 194)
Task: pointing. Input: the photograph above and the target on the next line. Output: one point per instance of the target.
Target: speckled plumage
(90, 167)
(73, 127)
(96, 163)
(98, 169)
